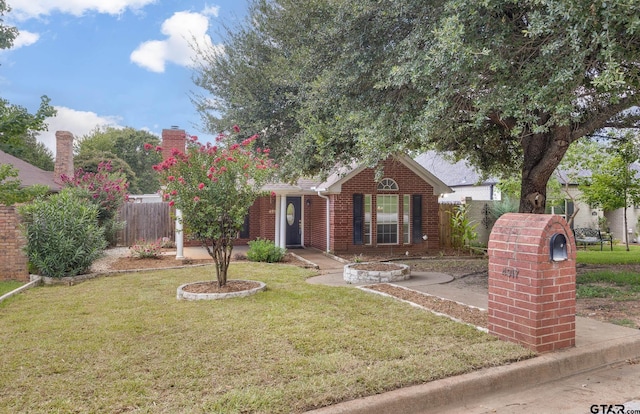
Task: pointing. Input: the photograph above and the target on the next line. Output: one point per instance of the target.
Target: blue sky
(111, 62)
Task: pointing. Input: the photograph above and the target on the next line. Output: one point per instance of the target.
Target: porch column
(179, 235)
(283, 222)
(276, 240)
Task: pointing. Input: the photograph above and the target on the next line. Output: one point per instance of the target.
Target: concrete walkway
(602, 369)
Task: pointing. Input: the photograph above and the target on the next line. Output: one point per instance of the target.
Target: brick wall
(532, 299)
(13, 261)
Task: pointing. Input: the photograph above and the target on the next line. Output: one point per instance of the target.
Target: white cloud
(25, 38)
(26, 9)
(79, 123)
(211, 11)
(184, 30)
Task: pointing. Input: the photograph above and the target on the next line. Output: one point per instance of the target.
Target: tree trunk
(220, 251)
(542, 154)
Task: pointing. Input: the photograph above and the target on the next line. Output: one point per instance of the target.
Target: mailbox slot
(558, 248)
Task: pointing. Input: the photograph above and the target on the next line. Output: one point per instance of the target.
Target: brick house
(350, 212)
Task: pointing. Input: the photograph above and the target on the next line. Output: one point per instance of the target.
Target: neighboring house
(28, 174)
(461, 177)
(349, 212)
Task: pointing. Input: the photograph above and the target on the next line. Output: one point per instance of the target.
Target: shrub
(63, 235)
(261, 250)
(146, 250)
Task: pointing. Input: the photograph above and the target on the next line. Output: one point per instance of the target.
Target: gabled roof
(453, 174)
(333, 183)
(29, 174)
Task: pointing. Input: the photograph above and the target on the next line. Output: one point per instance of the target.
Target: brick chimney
(64, 155)
(173, 138)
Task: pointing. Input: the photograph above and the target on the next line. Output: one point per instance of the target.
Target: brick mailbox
(532, 281)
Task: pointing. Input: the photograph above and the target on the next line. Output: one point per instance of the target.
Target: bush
(63, 235)
(261, 250)
(146, 250)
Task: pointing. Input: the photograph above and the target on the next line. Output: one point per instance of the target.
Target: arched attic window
(387, 184)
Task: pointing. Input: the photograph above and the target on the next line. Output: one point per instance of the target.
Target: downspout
(328, 218)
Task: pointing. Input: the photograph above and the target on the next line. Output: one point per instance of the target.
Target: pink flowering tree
(214, 186)
(107, 189)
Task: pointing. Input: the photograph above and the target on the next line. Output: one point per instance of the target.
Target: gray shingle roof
(451, 173)
(29, 174)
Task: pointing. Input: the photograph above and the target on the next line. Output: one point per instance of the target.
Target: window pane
(387, 219)
(367, 219)
(406, 202)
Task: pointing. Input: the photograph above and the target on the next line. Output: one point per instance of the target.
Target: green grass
(7, 286)
(619, 255)
(124, 343)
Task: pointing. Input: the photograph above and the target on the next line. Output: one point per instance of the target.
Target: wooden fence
(148, 221)
(444, 216)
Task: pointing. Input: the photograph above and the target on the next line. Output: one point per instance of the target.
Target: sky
(121, 63)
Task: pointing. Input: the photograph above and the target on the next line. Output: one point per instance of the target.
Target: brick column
(64, 155)
(532, 299)
(13, 260)
(173, 138)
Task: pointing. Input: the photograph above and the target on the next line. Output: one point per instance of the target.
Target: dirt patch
(122, 261)
(212, 287)
(468, 314)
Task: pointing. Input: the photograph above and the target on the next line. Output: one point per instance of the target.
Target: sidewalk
(603, 367)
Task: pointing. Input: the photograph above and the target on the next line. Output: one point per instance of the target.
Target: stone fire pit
(376, 272)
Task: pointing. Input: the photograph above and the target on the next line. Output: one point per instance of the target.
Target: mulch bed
(471, 315)
(212, 287)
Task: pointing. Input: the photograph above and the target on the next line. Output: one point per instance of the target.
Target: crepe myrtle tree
(214, 186)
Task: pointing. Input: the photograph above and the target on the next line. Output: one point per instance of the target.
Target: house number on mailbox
(510, 272)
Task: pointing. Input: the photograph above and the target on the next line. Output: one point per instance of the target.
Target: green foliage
(7, 33)
(506, 205)
(214, 186)
(63, 235)
(105, 189)
(144, 249)
(11, 191)
(125, 149)
(463, 230)
(17, 126)
(261, 250)
(493, 81)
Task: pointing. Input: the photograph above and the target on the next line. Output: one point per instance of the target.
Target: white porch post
(283, 222)
(179, 236)
(277, 222)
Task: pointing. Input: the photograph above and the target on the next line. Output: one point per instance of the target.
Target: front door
(293, 221)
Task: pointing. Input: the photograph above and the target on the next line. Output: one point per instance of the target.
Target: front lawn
(619, 255)
(124, 343)
(7, 286)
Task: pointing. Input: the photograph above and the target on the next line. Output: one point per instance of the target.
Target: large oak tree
(506, 84)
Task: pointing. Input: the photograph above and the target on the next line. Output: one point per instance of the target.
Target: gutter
(328, 218)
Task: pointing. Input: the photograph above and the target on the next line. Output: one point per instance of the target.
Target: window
(406, 209)
(367, 219)
(387, 184)
(387, 219)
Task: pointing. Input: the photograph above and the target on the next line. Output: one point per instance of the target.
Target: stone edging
(182, 295)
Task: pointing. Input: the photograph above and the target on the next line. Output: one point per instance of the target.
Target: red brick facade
(13, 260)
(532, 299)
(341, 227)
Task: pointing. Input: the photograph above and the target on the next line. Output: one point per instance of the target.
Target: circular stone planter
(183, 295)
(395, 272)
